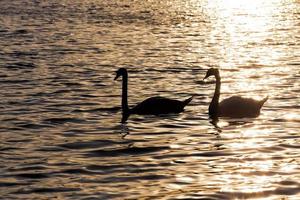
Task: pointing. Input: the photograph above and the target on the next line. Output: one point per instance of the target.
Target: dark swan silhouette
(233, 107)
(151, 106)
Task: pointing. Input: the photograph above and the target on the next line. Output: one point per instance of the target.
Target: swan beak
(117, 76)
(207, 75)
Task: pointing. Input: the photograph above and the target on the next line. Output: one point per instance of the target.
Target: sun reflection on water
(247, 42)
(252, 177)
(67, 126)
(245, 28)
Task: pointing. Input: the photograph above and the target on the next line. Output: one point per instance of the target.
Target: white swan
(151, 106)
(235, 106)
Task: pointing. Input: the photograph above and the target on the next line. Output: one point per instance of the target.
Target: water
(61, 135)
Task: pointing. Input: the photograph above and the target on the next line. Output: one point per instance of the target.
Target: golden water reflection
(244, 31)
(66, 126)
(248, 40)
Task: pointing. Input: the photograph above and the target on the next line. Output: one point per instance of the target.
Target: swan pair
(235, 106)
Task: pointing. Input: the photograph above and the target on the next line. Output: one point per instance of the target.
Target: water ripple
(60, 115)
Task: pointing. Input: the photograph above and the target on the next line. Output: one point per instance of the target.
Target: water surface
(61, 135)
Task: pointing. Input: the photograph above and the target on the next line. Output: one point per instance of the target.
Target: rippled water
(61, 135)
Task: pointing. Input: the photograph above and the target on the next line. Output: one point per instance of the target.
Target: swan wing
(158, 105)
(237, 106)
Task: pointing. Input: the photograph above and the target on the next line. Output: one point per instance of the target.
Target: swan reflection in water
(124, 130)
(151, 106)
(224, 123)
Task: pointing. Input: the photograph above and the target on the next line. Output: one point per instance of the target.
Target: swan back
(237, 106)
(159, 105)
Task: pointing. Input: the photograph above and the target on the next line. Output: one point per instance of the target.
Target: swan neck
(213, 107)
(125, 108)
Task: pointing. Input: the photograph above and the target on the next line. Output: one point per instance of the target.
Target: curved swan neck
(214, 104)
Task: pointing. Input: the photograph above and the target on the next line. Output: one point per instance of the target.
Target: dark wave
(112, 109)
(126, 151)
(62, 120)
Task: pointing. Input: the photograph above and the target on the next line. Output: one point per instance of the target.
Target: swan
(151, 106)
(233, 107)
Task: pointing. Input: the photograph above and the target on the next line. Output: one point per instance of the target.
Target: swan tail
(187, 101)
(263, 101)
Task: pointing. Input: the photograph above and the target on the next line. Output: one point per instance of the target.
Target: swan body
(235, 106)
(151, 106)
(159, 105)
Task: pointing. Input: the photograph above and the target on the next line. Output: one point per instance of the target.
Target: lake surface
(61, 136)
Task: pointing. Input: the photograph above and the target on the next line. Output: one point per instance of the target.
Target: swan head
(212, 72)
(120, 72)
